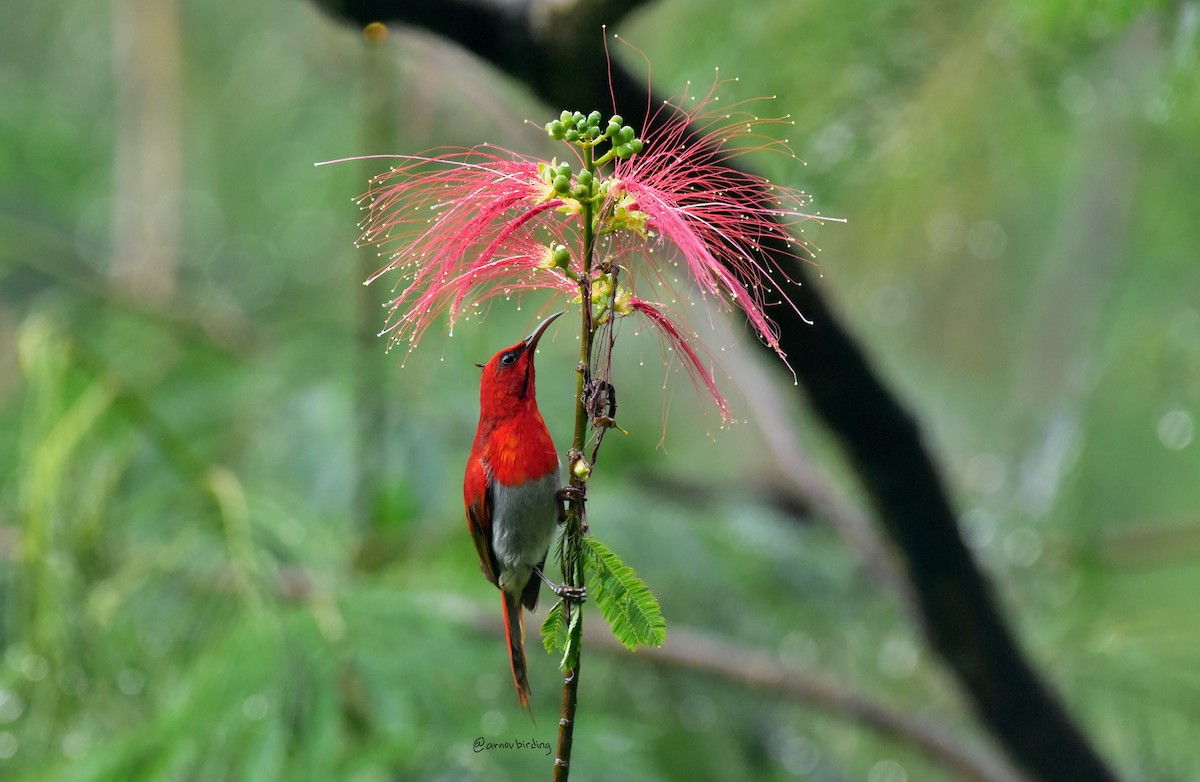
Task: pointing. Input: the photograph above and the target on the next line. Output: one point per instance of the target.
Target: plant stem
(575, 526)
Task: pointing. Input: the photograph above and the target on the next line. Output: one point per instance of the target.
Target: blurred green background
(231, 535)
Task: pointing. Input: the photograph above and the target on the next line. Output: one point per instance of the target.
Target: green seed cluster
(576, 128)
(562, 178)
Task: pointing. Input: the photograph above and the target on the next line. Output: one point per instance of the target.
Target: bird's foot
(568, 593)
(571, 494)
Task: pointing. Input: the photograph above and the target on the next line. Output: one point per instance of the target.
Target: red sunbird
(513, 491)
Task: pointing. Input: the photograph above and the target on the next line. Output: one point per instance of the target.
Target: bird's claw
(570, 594)
(571, 494)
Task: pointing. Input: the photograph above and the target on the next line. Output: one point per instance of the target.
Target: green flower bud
(562, 184)
(585, 178)
(578, 117)
(565, 118)
(636, 146)
(612, 130)
(572, 135)
(564, 168)
(617, 120)
(622, 151)
(556, 130)
(593, 119)
(561, 255)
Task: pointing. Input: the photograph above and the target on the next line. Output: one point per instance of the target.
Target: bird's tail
(514, 630)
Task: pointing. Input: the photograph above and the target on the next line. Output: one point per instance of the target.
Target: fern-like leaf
(554, 629)
(627, 604)
(570, 656)
(562, 635)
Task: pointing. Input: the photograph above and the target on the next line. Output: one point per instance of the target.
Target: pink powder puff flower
(463, 226)
(717, 218)
(697, 367)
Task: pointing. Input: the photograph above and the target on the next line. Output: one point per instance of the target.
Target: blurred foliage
(189, 590)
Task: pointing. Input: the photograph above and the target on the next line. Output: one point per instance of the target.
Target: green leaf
(627, 604)
(554, 629)
(560, 635)
(574, 638)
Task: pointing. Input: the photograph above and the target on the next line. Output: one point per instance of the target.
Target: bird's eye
(508, 359)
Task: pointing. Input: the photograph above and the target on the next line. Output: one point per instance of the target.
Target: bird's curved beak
(532, 340)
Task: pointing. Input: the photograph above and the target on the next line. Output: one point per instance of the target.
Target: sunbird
(513, 491)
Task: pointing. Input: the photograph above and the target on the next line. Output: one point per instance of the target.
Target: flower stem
(576, 526)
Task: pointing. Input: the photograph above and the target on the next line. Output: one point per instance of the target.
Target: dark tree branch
(883, 442)
(802, 477)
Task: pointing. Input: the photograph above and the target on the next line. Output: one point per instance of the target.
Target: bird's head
(508, 379)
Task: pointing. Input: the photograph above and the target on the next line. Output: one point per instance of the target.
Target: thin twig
(576, 524)
(566, 723)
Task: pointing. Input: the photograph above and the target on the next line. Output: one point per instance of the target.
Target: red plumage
(511, 490)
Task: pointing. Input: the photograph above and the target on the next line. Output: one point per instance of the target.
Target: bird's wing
(477, 491)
